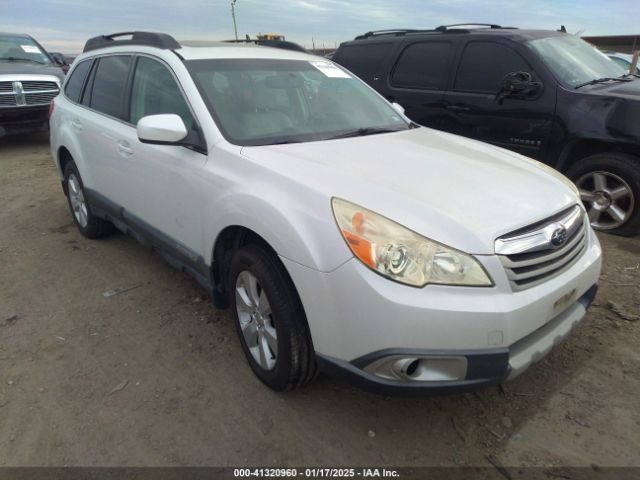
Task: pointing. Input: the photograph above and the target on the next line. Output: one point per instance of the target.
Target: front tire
(609, 185)
(89, 225)
(270, 319)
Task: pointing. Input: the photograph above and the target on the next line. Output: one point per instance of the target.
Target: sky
(64, 25)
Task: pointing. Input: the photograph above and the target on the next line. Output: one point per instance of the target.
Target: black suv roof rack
(150, 39)
(454, 28)
(393, 32)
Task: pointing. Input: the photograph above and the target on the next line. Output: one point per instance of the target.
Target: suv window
(155, 91)
(423, 65)
(484, 65)
(364, 60)
(109, 84)
(73, 89)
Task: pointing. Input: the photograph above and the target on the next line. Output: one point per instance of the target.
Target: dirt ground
(156, 376)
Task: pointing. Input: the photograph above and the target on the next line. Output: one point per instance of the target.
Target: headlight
(398, 253)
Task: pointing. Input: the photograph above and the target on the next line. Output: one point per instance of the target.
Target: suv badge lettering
(18, 91)
(559, 236)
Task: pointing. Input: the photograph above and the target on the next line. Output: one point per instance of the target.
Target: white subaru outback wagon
(343, 237)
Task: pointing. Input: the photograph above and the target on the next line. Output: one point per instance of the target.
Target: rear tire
(609, 185)
(89, 225)
(270, 319)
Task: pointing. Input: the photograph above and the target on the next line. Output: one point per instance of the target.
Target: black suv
(545, 94)
(29, 79)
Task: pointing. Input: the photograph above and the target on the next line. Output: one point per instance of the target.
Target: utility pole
(233, 15)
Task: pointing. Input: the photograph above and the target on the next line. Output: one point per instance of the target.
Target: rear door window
(74, 86)
(109, 85)
(484, 65)
(423, 65)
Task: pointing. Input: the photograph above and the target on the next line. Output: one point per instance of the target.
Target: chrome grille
(7, 101)
(534, 254)
(27, 93)
(32, 85)
(43, 98)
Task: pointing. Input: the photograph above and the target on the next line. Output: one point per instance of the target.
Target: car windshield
(271, 101)
(574, 61)
(624, 63)
(21, 49)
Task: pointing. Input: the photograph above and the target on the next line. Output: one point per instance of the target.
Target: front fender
(303, 232)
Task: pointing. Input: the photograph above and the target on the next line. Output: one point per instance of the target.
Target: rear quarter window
(73, 88)
(423, 65)
(366, 61)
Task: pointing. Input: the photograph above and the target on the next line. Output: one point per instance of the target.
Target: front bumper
(475, 336)
(483, 367)
(23, 119)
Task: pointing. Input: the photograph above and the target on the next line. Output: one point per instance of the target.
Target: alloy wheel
(256, 320)
(77, 200)
(608, 199)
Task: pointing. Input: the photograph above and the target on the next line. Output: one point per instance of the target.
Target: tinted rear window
(484, 65)
(76, 80)
(423, 65)
(364, 60)
(109, 84)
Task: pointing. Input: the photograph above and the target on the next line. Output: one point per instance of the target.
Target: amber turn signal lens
(360, 247)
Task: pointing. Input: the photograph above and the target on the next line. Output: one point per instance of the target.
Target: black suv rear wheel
(609, 185)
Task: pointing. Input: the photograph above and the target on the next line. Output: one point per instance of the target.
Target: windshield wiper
(602, 80)
(361, 132)
(282, 142)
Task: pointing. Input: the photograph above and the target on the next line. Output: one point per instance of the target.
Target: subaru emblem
(559, 236)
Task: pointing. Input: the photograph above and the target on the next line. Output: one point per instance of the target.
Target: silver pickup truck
(29, 80)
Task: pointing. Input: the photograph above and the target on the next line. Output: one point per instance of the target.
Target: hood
(457, 191)
(26, 68)
(625, 90)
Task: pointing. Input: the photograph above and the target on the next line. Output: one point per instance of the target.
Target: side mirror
(165, 129)
(398, 108)
(58, 59)
(519, 85)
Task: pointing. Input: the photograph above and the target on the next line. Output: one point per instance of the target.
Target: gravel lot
(156, 376)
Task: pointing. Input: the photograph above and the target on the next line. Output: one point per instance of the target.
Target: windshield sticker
(330, 70)
(30, 48)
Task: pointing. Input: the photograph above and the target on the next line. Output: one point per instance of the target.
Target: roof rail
(393, 32)
(444, 28)
(150, 39)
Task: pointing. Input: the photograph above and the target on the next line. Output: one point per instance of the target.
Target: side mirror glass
(398, 108)
(519, 85)
(165, 129)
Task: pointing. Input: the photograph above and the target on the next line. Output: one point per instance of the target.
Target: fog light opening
(420, 369)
